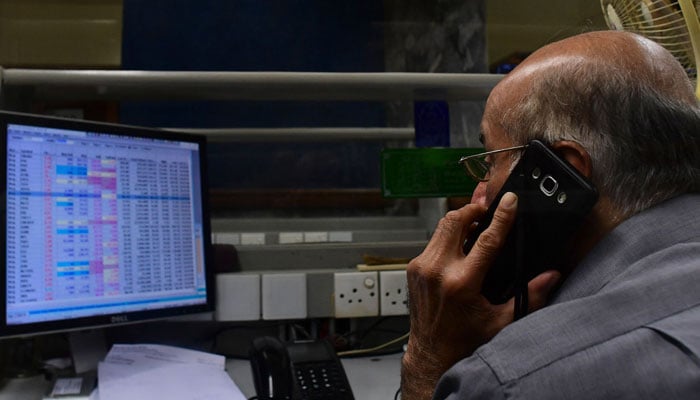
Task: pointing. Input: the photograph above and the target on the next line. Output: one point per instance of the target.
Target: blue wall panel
(255, 35)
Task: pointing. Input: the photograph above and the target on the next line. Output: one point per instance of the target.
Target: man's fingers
(452, 228)
(491, 240)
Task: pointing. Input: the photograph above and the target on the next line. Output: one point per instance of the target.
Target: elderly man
(624, 322)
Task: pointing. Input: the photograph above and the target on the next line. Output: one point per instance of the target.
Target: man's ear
(576, 155)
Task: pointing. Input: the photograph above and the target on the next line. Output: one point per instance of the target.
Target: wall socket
(393, 293)
(356, 294)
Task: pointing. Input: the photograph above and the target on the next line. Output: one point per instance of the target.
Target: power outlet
(393, 293)
(356, 294)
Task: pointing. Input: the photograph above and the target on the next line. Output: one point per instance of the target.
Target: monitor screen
(104, 224)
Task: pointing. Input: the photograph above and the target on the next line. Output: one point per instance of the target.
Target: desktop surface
(374, 377)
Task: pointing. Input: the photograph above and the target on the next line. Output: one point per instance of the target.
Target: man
(625, 321)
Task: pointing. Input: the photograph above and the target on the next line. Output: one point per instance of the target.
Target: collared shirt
(624, 325)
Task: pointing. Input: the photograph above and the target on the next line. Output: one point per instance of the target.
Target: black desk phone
(297, 371)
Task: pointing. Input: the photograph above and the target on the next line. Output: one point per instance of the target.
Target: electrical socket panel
(356, 294)
(283, 295)
(393, 293)
(237, 297)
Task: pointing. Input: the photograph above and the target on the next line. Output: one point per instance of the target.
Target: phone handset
(271, 367)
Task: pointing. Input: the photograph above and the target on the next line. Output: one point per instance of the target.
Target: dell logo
(119, 319)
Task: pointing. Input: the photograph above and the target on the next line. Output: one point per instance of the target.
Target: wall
(60, 33)
(523, 26)
(78, 33)
(439, 37)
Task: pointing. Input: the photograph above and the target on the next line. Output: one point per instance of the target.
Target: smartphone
(553, 201)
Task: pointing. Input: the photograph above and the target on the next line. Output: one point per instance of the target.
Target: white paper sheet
(156, 353)
(154, 371)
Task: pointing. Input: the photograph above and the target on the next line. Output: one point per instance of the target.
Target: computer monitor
(104, 224)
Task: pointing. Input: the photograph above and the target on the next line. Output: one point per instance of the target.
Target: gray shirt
(625, 324)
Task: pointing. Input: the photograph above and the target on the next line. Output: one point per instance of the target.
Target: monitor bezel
(112, 319)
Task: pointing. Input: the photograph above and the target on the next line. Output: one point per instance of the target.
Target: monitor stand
(87, 349)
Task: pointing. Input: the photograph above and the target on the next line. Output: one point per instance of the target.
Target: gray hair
(642, 136)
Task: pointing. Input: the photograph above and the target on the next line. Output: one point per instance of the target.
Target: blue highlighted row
(73, 273)
(143, 197)
(71, 170)
(119, 304)
(72, 263)
(73, 231)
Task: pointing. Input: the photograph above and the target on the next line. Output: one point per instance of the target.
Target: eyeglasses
(478, 168)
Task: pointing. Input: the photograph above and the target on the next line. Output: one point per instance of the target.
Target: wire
(362, 334)
(373, 349)
(304, 332)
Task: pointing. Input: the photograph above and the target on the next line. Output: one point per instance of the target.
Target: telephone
(308, 370)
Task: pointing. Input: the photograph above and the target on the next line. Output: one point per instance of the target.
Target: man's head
(619, 107)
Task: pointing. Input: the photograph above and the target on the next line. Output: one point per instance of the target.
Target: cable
(304, 332)
(373, 349)
(357, 337)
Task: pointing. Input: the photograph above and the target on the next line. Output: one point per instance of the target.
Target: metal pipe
(218, 85)
(302, 134)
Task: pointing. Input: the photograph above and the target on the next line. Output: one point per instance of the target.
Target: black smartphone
(553, 201)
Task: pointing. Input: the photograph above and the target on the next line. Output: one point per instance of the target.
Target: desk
(370, 377)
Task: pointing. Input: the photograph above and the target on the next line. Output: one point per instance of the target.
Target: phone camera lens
(561, 198)
(536, 173)
(549, 185)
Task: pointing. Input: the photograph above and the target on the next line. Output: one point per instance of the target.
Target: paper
(154, 371)
(66, 386)
(154, 353)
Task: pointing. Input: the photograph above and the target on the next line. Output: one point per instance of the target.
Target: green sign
(425, 172)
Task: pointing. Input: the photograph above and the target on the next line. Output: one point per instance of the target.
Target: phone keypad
(322, 381)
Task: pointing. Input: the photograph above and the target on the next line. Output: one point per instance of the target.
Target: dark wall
(253, 35)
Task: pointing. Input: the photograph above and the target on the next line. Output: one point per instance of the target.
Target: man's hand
(449, 316)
